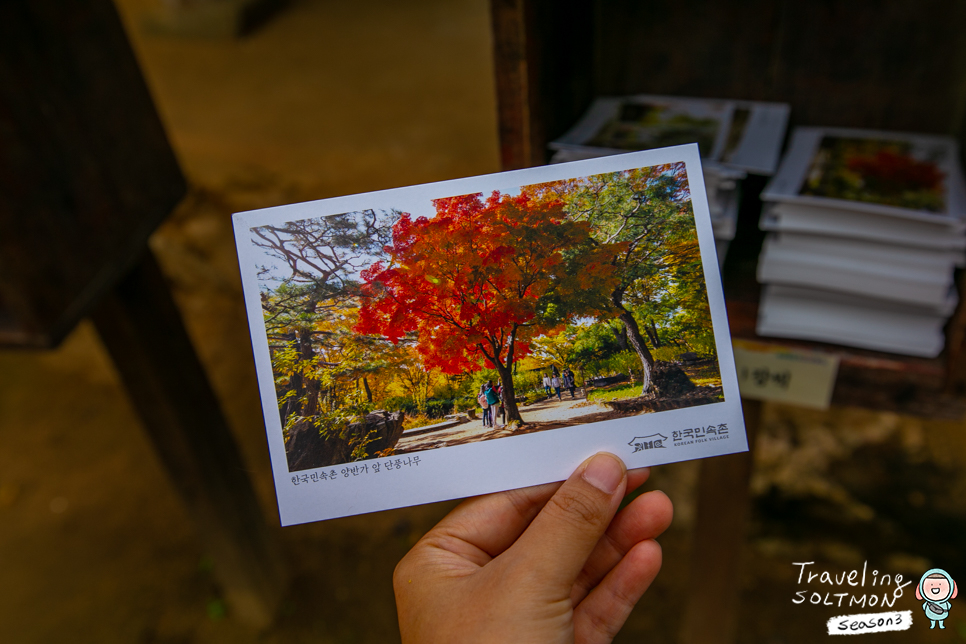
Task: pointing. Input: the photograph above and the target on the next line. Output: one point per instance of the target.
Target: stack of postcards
(735, 138)
(867, 231)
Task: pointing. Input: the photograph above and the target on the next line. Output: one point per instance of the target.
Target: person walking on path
(569, 382)
(492, 399)
(555, 382)
(546, 385)
(485, 406)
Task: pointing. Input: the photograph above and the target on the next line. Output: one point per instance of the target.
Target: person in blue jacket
(485, 406)
(493, 399)
(936, 588)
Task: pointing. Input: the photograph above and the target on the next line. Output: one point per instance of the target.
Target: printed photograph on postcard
(734, 137)
(486, 333)
(641, 124)
(901, 173)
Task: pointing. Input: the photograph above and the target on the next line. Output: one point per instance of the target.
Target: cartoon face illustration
(936, 588)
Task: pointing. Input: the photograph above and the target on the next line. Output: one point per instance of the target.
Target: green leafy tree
(556, 348)
(645, 214)
(309, 301)
(681, 305)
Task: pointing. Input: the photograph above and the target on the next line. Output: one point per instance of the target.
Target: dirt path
(543, 415)
(470, 432)
(557, 410)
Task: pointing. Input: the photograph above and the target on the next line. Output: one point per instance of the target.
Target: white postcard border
(511, 462)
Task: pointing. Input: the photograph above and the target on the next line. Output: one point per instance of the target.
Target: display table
(552, 57)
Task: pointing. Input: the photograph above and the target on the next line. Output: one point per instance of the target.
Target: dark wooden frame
(86, 175)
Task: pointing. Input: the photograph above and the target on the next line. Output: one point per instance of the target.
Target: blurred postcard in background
(739, 135)
(735, 138)
(866, 232)
(470, 336)
(853, 173)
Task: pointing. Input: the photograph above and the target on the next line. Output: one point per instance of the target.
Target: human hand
(550, 563)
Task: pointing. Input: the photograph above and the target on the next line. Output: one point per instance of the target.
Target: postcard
(794, 218)
(470, 336)
(847, 319)
(911, 176)
(733, 135)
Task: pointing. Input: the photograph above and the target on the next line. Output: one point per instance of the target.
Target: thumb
(558, 542)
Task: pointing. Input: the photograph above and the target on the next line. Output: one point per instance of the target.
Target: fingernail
(604, 472)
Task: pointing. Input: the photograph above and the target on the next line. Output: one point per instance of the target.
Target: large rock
(306, 448)
(646, 404)
(668, 380)
(609, 380)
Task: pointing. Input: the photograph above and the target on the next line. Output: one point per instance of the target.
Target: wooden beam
(711, 615)
(514, 86)
(142, 330)
(86, 171)
(543, 57)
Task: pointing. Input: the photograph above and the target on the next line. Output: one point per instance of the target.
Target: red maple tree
(483, 277)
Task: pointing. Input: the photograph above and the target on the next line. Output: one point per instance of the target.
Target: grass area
(412, 422)
(702, 376)
(534, 396)
(616, 392)
(706, 375)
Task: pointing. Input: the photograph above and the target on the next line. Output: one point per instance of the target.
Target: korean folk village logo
(681, 437)
(654, 441)
(868, 589)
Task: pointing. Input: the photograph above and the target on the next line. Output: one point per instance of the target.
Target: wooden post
(543, 56)
(521, 144)
(86, 171)
(711, 616)
(144, 334)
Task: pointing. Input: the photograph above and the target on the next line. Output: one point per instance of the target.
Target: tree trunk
(651, 331)
(636, 340)
(310, 406)
(506, 379)
(365, 384)
(621, 335)
(292, 405)
(509, 395)
(650, 336)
